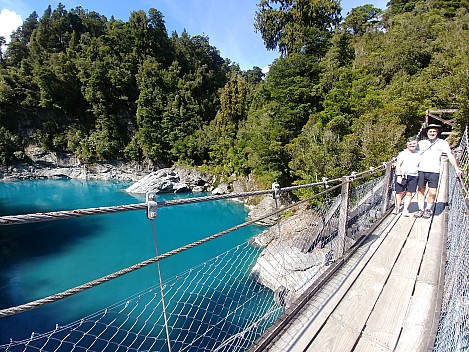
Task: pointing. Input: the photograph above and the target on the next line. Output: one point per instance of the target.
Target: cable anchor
(276, 189)
(152, 205)
(325, 181)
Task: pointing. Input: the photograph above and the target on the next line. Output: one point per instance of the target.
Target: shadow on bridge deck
(386, 297)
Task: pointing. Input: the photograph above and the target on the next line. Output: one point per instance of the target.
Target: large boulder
(174, 179)
(295, 253)
(222, 188)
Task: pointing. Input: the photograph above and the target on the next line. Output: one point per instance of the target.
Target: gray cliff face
(63, 165)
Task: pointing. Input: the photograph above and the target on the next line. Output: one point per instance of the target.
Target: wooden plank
(371, 281)
(439, 111)
(357, 304)
(386, 319)
(432, 264)
(354, 309)
(420, 229)
(321, 308)
(418, 322)
(385, 322)
(338, 337)
(318, 310)
(433, 260)
(445, 121)
(402, 227)
(322, 305)
(408, 264)
(367, 345)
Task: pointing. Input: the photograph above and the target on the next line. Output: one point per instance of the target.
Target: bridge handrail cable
(145, 263)
(67, 214)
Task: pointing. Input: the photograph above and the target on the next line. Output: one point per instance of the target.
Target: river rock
(294, 253)
(222, 188)
(173, 179)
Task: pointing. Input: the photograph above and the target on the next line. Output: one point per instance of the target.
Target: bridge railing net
(453, 329)
(228, 302)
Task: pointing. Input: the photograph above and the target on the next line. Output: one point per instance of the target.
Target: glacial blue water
(41, 259)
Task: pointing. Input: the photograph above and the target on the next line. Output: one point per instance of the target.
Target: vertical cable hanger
(152, 213)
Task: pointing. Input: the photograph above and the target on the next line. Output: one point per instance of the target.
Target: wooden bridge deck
(385, 298)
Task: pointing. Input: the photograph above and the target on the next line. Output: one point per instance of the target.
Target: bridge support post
(343, 215)
(386, 187)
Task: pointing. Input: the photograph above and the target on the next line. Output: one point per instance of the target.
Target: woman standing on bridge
(407, 166)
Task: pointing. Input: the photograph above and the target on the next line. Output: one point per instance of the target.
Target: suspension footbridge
(337, 272)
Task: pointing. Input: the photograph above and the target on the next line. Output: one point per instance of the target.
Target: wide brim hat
(434, 126)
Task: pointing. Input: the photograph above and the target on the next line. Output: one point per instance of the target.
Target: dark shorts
(430, 178)
(409, 184)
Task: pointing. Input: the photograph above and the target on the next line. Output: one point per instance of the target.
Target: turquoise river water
(41, 259)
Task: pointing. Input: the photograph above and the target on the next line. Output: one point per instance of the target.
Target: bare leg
(431, 197)
(421, 197)
(407, 199)
(398, 200)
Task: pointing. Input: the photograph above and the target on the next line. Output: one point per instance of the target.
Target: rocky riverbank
(174, 179)
(288, 262)
(62, 165)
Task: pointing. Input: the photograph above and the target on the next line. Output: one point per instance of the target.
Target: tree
(294, 26)
(362, 19)
(401, 6)
(18, 47)
(2, 44)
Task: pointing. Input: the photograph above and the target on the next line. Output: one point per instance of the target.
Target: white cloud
(9, 21)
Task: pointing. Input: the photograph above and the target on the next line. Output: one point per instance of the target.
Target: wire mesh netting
(228, 302)
(366, 204)
(453, 330)
(206, 305)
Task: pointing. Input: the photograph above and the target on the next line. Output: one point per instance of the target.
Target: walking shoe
(427, 214)
(418, 214)
(405, 213)
(395, 211)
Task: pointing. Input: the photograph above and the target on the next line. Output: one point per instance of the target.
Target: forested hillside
(343, 95)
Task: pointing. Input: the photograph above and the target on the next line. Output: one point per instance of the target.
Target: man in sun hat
(429, 168)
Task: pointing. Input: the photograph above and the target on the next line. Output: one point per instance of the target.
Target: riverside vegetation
(342, 96)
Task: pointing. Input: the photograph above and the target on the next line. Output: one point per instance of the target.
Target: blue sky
(229, 24)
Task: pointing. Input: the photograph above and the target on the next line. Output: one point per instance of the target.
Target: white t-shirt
(410, 162)
(430, 154)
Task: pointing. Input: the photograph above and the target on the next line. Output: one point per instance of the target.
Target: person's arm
(399, 162)
(453, 162)
(452, 159)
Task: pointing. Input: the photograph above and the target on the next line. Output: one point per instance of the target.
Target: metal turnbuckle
(152, 205)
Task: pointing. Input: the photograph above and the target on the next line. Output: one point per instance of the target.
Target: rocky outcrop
(173, 180)
(222, 188)
(295, 253)
(63, 165)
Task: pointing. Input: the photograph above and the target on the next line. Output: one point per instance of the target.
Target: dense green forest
(342, 96)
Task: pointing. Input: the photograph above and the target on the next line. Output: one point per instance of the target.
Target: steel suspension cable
(67, 214)
(94, 283)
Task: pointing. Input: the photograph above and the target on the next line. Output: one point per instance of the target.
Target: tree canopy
(342, 96)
